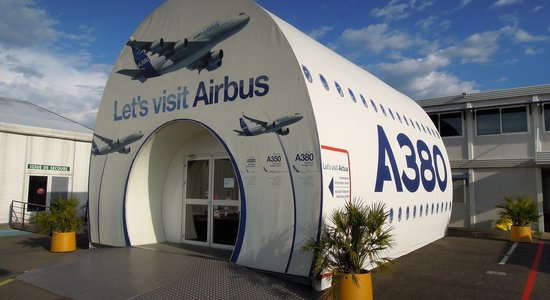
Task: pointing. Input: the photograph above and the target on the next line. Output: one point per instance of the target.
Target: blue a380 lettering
(427, 174)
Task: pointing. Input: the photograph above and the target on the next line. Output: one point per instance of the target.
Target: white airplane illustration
(277, 126)
(193, 53)
(120, 146)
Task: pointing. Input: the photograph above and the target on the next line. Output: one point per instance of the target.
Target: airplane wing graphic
(131, 72)
(160, 48)
(104, 139)
(262, 123)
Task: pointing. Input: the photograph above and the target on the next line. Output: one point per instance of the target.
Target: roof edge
(45, 132)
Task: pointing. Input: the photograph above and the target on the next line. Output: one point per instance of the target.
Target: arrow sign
(331, 186)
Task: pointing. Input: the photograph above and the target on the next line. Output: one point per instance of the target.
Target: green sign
(48, 168)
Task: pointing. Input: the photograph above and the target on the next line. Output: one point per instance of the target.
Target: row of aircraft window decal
(421, 211)
(401, 118)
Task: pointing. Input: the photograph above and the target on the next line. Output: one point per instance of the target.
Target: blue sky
(59, 53)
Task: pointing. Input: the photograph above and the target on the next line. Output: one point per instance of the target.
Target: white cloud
(65, 85)
(426, 23)
(477, 48)
(64, 82)
(521, 36)
(393, 11)
(502, 3)
(23, 25)
(374, 39)
(464, 3)
(319, 33)
(399, 9)
(532, 51)
(423, 78)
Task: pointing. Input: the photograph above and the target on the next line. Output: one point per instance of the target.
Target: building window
(546, 117)
(514, 119)
(501, 120)
(448, 124)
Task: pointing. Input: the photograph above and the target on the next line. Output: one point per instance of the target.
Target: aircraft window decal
(398, 117)
(391, 113)
(432, 209)
(399, 214)
(364, 102)
(418, 126)
(363, 99)
(352, 95)
(307, 74)
(324, 81)
(421, 210)
(414, 212)
(412, 123)
(339, 89)
(383, 110)
(405, 118)
(427, 209)
(408, 212)
(390, 214)
(373, 105)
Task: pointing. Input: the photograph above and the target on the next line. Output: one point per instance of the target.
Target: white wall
(12, 171)
(492, 185)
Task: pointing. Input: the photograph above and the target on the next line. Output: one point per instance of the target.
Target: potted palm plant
(354, 239)
(521, 212)
(62, 222)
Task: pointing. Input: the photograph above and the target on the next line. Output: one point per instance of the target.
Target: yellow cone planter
(348, 289)
(521, 234)
(63, 242)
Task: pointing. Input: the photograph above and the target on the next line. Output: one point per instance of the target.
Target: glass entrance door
(212, 206)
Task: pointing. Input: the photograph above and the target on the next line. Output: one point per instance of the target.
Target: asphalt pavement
(465, 264)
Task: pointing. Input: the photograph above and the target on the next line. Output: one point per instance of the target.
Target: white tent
(222, 125)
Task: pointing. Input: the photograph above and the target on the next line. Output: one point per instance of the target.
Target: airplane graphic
(120, 145)
(159, 57)
(277, 126)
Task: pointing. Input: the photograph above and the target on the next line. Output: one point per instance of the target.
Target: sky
(59, 53)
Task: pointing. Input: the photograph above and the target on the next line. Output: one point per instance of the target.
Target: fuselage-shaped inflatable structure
(223, 126)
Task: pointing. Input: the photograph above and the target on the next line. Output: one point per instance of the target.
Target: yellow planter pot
(347, 289)
(63, 242)
(521, 234)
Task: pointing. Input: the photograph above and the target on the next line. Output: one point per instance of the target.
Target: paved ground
(455, 267)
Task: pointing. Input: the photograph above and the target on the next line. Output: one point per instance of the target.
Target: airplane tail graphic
(245, 130)
(244, 126)
(143, 62)
(95, 150)
(140, 57)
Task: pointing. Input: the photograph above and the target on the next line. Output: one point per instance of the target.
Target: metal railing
(21, 214)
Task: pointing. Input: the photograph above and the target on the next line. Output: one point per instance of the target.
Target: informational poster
(336, 173)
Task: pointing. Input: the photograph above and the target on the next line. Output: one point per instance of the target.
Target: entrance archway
(160, 205)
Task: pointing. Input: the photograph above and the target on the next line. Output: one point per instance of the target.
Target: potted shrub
(521, 212)
(62, 222)
(355, 238)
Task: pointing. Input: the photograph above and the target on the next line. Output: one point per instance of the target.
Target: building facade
(499, 145)
(43, 156)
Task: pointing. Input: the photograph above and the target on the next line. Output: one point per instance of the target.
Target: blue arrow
(331, 186)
